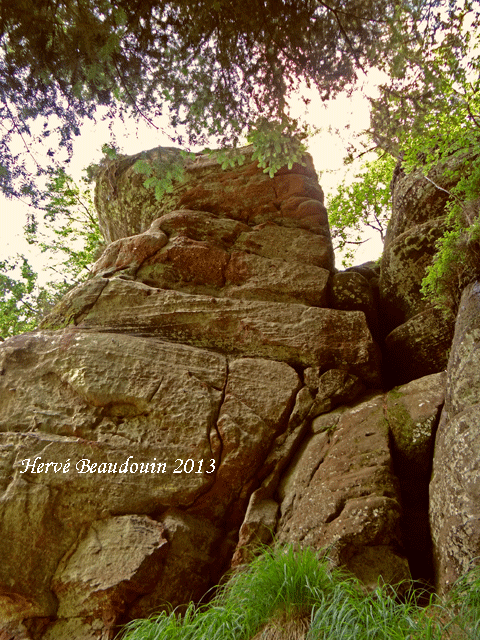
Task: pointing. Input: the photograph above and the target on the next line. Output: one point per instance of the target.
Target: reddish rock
(201, 256)
(130, 252)
(305, 212)
(190, 262)
(257, 529)
(191, 566)
(244, 193)
(271, 240)
(292, 333)
(102, 402)
(201, 344)
(252, 277)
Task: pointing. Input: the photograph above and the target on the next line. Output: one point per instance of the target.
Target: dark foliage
(214, 66)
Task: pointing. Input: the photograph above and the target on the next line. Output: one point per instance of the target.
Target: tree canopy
(427, 115)
(215, 67)
(433, 88)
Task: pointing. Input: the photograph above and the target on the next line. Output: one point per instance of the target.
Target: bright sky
(349, 115)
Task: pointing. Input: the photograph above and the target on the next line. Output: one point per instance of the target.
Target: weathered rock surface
(454, 489)
(117, 560)
(161, 394)
(234, 234)
(208, 255)
(341, 491)
(404, 264)
(418, 198)
(125, 412)
(419, 346)
(244, 193)
(294, 333)
(193, 399)
(412, 412)
(194, 560)
(409, 321)
(111, 403)
(351, 291)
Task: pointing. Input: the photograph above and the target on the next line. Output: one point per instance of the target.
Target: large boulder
(454, 489)
(340, 493)
(404, 264)
(294, 333)
(418, 198)
(118, 559)
(235, 233)
(418, 347)
(198, 252)
(98, 425)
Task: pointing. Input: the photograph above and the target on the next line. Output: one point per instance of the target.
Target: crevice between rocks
(414, 523)
(337, 512)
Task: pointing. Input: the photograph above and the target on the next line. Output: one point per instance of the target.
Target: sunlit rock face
(292, 198)
(213, 384)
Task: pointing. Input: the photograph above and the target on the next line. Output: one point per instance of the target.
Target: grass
(289, 595)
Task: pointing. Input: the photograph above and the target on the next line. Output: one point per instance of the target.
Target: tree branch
(442, 189)
(473, 117)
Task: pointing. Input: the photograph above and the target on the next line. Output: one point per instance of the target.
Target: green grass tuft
(294, 595)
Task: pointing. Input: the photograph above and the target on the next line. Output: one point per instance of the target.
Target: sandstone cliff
(217, 383)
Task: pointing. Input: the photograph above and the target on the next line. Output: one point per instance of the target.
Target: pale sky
(349, 115)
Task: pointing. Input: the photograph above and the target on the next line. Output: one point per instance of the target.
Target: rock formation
(419, 335)
(215, 383)
(341, 487)
(454, 489)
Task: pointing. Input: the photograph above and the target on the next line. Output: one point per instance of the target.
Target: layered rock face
(213, 385)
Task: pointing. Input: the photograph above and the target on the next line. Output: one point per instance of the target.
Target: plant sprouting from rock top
(161, 173)
(278, 144)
